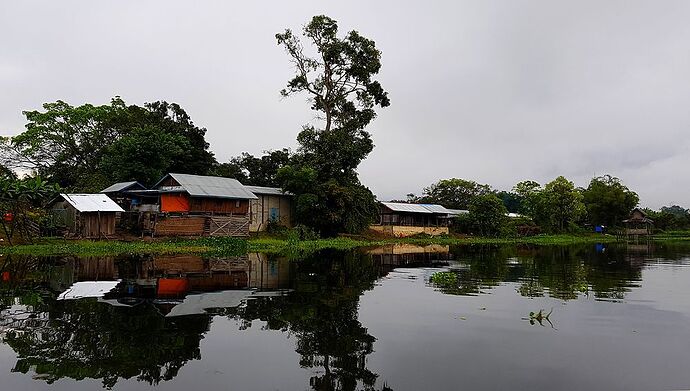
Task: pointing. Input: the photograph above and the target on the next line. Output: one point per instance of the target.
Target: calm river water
(367, 319)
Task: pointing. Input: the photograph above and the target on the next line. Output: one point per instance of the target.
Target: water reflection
(153, 322)
(608, 272)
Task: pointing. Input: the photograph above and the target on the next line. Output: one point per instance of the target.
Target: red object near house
(8, 217)
(172, 287)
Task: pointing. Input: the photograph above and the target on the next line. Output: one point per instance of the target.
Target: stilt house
(638, 224)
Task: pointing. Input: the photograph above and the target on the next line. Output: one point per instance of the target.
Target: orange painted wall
(175, 202)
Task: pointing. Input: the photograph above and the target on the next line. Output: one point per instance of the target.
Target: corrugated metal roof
(121, 186)
(416, 208)
(212, 186)
(457, 212)
(436, 208)
(265, 190)
(92, 202)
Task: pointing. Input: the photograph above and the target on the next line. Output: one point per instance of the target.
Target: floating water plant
(540, 317)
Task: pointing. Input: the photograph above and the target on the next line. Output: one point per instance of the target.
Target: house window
(237, 204)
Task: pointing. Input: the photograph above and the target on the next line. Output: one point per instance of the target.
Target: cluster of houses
(178, 205)
(197, 205)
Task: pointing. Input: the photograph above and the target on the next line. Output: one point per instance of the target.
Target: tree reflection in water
(87, 338)
(559, 271)
(323, 313)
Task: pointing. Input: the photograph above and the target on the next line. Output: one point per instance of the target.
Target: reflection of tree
(87, 339)
(322, 312)
(563, 271)
(485, 267)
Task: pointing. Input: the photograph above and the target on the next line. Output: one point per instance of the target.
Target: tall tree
(454, 193)
(608, 201)
(339, 83)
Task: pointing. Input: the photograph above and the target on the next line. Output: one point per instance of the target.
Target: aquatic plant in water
(540, 317)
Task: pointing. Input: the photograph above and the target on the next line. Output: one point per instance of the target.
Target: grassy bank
(231, 246)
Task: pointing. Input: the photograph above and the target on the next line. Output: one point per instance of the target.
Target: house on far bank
(86, 215)
(638, 224)
(271, 205)
(198, 205)
(402, 219)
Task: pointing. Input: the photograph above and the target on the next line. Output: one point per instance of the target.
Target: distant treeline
(556, 207)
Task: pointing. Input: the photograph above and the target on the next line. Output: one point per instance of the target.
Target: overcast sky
(494, 91)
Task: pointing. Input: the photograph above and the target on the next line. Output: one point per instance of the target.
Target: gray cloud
(486, 90)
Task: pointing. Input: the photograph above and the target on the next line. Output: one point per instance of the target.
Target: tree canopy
(87, 147)
(608, 201)
(454, 193)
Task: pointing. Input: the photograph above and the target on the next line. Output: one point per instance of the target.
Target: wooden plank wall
(95, 226)
(180, 226)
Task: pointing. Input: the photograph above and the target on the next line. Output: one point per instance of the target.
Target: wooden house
(401, 219)
(638, 224)
(197, 205)
(271, 205)
(86, 215)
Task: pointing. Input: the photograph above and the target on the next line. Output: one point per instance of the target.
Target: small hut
(272, 205)
(87, 215)
(638, 224)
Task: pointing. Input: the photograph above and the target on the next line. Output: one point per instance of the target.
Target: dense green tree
(528, 192)
(145, 154)
(487, 214)
(511, 200)
(608, 201)
(454, 193)
(338, 80)
(68, 145)
(670, 218)
(253, 170)
(563, 203)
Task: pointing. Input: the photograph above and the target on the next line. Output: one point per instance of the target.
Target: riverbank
(233, 246)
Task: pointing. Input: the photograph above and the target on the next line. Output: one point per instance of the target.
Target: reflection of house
(391, 256)
(271, 205)
(86, 215)
(401, 219)
(638, 224)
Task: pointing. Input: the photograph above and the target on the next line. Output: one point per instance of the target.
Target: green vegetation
(86, 148)
(21, 206)
(234, 246)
